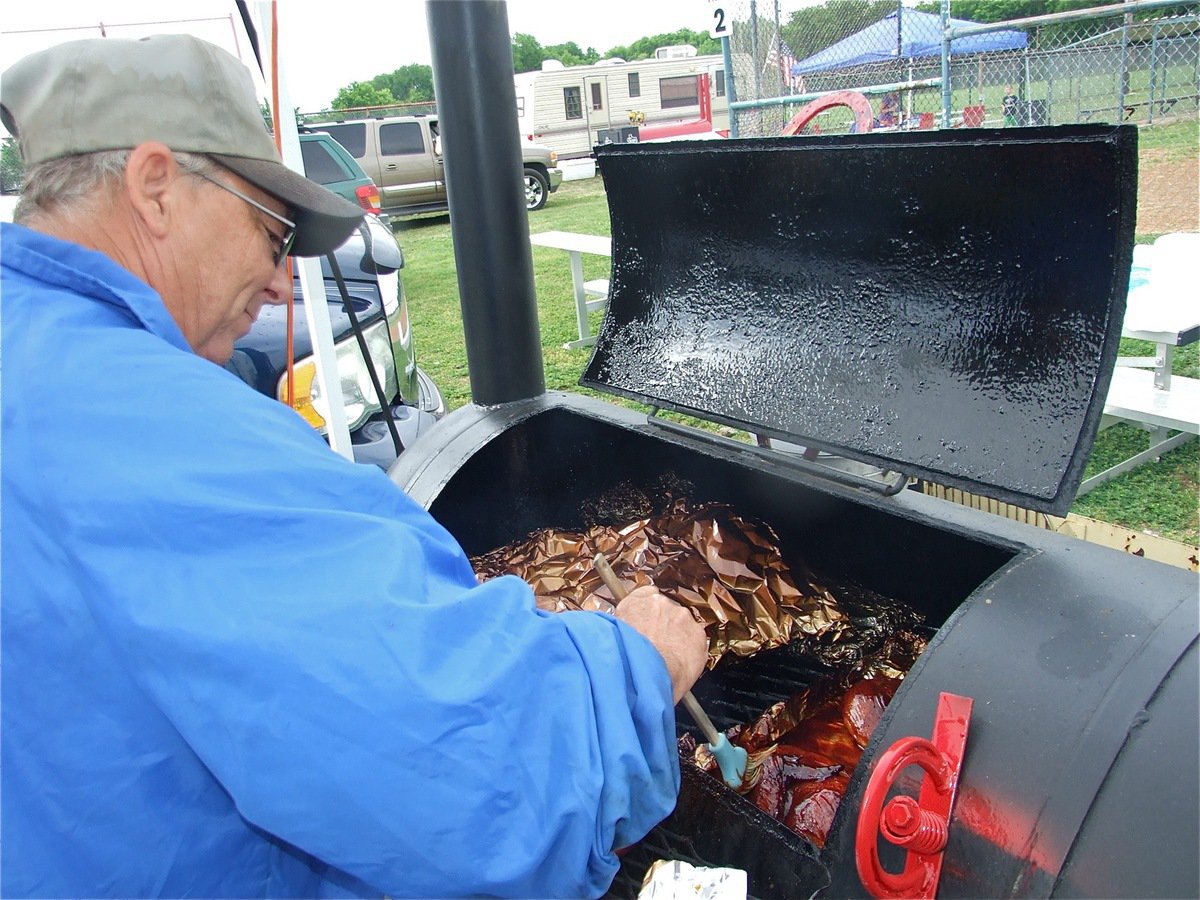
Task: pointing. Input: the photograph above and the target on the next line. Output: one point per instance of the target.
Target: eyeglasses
(289, 235)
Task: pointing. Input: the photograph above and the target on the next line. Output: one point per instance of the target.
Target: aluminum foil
(730, 570)
(726, 567)
(677, 880)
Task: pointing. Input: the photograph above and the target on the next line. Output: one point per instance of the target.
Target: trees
(408, 84)
(643, 48)
(361, 93)
(414, 83)
(569, 54)
(814, 28)
(1004, 10)
(528, 54)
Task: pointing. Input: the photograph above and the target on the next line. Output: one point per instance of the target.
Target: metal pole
(1123, 83)
(730, 92)
(1075, 15)
(1048, 67)
(908, 96)
(754, 48)
(1153, 69)
(1025, 90)
(900, 58)
(481, 146)
(786, 80)
(946, 63)
(797, 99)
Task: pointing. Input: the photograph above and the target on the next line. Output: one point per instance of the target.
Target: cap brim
(323, 219)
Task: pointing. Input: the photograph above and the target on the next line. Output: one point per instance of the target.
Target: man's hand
(672, 630)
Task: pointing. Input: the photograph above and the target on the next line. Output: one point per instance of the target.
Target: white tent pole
(312, 284)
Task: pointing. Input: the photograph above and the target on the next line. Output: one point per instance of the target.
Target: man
(234, 664)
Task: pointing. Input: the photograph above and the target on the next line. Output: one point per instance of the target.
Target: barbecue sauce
(800, 778)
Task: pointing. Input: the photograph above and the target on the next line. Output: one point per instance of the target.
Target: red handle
(920, 826)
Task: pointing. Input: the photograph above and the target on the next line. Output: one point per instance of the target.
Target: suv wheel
(536, 189)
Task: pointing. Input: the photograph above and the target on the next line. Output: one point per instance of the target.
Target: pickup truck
(403, 156)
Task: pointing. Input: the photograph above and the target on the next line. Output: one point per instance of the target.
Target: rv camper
(571, 109)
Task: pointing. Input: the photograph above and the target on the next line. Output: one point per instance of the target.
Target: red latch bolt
(919, 826)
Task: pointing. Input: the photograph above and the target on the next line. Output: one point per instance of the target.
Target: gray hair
(74, 185)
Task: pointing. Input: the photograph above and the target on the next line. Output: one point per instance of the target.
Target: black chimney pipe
(477, 103)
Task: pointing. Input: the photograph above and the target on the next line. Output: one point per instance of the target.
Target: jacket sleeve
(324, 648)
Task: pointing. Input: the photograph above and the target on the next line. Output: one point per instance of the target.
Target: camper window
(635, 87)
(720, 82)
(678, 91)
(573, 103)
(597, 98)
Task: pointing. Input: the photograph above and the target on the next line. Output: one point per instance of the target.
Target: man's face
(225, 271)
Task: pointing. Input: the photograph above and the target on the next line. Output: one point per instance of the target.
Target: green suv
(327, 162)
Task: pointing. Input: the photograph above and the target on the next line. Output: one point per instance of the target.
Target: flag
(787, 59)
(779, 55)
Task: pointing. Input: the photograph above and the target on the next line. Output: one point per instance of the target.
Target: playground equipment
(858, 103)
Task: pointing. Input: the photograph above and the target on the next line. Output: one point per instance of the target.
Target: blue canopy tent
(920, 34)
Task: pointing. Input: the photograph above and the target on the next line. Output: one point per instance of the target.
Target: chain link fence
(1137, 63)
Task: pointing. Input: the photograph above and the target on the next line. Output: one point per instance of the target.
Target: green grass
(1160, 496)
(433, 291)
(1171, 142)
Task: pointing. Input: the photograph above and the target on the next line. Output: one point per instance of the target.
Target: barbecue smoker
(943, 305)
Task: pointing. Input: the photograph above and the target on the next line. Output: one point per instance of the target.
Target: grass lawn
(1160, 497)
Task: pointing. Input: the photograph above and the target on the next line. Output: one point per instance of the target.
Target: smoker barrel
(1080, 660)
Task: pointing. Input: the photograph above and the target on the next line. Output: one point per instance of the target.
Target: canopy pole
(946, 63)
(730, 92)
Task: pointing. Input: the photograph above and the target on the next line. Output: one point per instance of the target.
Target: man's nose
(280, 286)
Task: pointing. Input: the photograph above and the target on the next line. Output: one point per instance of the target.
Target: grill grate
(714, 826)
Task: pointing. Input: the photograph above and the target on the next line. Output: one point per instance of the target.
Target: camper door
(595, 104)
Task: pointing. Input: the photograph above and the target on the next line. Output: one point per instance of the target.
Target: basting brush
(730, 758)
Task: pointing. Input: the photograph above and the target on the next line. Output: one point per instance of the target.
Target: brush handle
(609, 577)
(701, 718)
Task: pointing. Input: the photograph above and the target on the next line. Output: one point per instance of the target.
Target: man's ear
(151, 186)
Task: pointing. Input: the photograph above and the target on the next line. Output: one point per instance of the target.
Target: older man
(234, 664)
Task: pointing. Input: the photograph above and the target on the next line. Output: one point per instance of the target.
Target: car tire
(537, 189)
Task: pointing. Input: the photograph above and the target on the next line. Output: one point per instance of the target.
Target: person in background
(234, 664)
(889, 111)
(1010, 106)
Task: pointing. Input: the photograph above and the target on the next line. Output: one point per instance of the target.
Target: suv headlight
(357, 391)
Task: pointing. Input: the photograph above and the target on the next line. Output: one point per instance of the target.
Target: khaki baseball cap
(108, 94)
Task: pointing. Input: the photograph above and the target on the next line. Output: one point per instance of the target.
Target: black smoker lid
(946, 304)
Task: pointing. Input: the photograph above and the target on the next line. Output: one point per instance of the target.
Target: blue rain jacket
(234, 664)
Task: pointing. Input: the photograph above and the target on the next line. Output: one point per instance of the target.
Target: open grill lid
(945, 304)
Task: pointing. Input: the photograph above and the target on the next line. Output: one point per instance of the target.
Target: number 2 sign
(721, 26)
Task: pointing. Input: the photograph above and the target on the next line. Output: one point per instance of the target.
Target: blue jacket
(234, 664)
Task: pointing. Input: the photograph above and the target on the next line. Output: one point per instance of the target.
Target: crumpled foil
(677, 880)
(725, 567)
(730, 571)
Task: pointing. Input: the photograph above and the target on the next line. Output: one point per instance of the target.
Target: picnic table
(589, 295)
(1161, 309)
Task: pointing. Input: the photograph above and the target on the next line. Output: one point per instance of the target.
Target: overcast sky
(329, 45)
